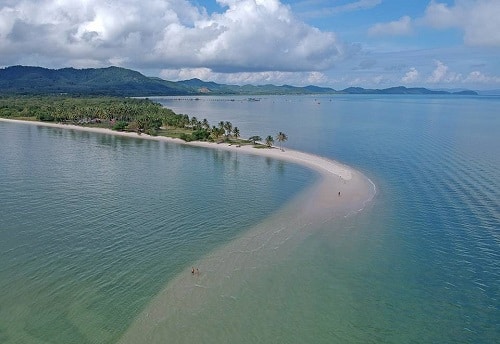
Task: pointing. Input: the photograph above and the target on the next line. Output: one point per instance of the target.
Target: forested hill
(101, 81)
(116, 81)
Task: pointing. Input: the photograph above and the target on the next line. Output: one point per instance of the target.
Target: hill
(116, 81)
(101, 81)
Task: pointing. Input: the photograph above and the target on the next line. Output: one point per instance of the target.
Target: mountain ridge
(118, 81)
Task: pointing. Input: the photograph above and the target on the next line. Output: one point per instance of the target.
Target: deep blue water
(93, 226)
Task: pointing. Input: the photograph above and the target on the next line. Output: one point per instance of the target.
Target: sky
(438, 44)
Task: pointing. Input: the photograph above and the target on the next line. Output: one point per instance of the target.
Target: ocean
(93, 227)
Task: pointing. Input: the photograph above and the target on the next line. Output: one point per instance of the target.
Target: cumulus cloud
(403, 26)
(411, 76)
(241, 78)
(442, 74)
(480, 78)
(477, 18)
(244, 36)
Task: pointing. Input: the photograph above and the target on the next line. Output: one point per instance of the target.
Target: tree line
(123, 114)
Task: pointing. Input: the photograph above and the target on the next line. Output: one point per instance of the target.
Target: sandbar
(312, 161)
(340, 191)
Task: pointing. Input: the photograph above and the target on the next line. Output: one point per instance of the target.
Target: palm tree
(236, 132)
(229, 127)
(269, 141)
(194, 121)
(205, 124)
(281, 137)
(215, 133)
(255, 138)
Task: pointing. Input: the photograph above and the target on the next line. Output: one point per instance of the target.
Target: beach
(340, 182)
(339, 192)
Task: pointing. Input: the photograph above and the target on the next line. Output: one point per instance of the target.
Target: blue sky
(336, 43)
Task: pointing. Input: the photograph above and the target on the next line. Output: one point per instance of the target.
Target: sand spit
(202, 298)
(214, 302)
(312, 161)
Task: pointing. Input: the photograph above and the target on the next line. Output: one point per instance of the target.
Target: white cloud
(317, 78)
(246, 35)
(442, 74)
(480, 78)
(479, 20)
(403, 26)
(187, 73)
(242, 78)
(411, 76)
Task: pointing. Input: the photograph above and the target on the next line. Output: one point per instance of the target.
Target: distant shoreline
(89, 81)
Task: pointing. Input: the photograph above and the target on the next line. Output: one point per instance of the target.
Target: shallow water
(423, 264)
(233, 278)
(420, 264)
(93, 226)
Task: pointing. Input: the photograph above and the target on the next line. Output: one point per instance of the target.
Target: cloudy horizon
(340, 43)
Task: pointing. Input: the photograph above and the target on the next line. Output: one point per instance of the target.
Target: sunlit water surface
(94, 226)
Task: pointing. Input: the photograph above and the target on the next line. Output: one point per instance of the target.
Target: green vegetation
(281, 137)
(117, 81)
(269, 141)
(140, 115)
(120, 114)
(255, 138)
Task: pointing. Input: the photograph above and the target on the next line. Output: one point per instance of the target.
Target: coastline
(314, 162)
(225, 271)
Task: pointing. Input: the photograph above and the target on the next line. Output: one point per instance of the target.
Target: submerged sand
(224, 272)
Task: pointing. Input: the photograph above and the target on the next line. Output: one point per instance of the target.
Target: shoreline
(315, 162)
(226, 270)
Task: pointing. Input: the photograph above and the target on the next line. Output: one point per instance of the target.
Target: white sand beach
(312, 161)
(339, 192)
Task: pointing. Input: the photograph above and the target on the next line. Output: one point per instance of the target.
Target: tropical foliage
(123, 114)
(269, 141)
(281, 137)
(255, 138)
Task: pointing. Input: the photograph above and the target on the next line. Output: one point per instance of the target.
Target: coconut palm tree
(194, 122)
(229, 128)
(269, 141)
(205, 124)
(236, 132)
(215, 132)
(281, 137)
(255, 138)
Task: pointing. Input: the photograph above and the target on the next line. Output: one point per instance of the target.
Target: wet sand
(194, 307)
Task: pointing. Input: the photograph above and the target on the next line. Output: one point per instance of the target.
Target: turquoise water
(423, 264)
(94, 226)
